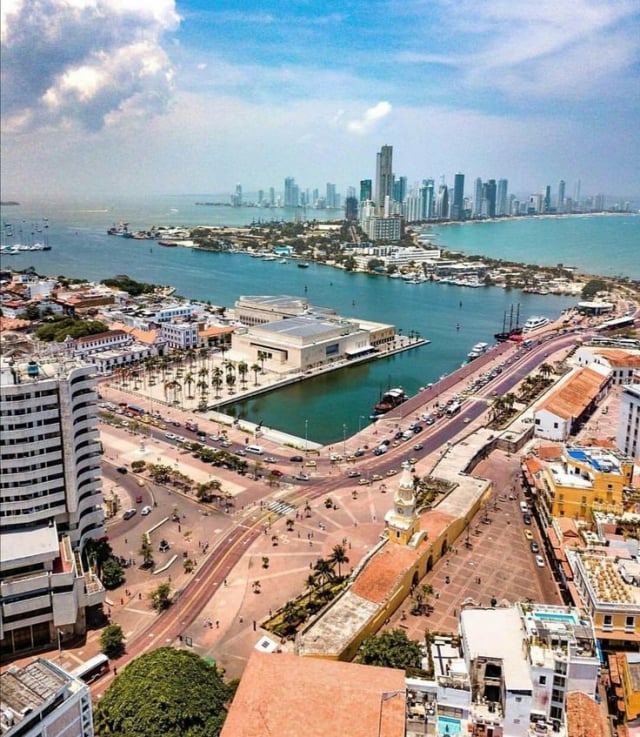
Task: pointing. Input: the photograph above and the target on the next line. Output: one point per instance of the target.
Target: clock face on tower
(399, 510)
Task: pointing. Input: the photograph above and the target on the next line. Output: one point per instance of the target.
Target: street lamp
(344, 440)
(306, 436)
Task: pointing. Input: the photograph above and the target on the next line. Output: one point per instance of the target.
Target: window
(543, 680)
(607, 621)
(630, 622)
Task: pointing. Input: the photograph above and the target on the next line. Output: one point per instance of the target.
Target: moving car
(353, 474)
(145, 511)
(302, 477)
(418, 446)
(296, 459)
(122, 469)
(129, 514)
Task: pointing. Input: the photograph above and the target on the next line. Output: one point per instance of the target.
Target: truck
(191, 425)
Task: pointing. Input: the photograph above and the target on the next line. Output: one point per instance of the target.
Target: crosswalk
(281, 508)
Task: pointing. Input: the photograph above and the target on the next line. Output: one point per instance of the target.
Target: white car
(539, 561)
(145, 511)
(169, 436)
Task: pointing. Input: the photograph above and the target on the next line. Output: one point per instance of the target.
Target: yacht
(477, 350)
(534, 323)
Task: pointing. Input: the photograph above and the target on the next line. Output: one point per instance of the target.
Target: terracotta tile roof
(568, 527)
(148, 337)
(213, 330)
(13, 323)
(383, 572)
(619, 358)
(584, 718)
(550, 452)
(574, 396)
(284, 695)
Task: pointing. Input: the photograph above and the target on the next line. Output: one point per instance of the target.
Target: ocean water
(452, 318)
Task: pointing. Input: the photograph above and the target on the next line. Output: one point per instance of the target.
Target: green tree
(391, 649)
(146, 551)
(112, 574)
(164, 693)
(161, 597)
(592, 287)
(338, 557)
(112, 641)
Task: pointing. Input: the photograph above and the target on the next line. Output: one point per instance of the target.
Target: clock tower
(402, 520)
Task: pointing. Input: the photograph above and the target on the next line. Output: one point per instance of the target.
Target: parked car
(535, 548)
(122, 469)
(311, 463)
(270, 459)
(359, 453)
(129, 514)
(528, 534)
(353, 474)
(526, 519)
(145, 511)
(539, 561)
(417, 429)
(276, 472)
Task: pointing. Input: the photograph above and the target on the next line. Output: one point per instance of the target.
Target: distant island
(7, 203)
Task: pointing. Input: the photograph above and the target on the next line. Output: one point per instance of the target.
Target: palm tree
(323, 569)
(338, 557)
(189, 380)
(216, 380)
(231, 380)
(243, 368)
(255, 368)
(262, 357)
(546, 370)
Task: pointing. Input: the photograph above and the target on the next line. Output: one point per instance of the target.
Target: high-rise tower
(384, 176)
(457, 208)
(502, 204)
(51, 501)
(561, 194)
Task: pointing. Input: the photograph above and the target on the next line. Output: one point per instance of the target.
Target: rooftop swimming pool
(556, 617)
(449, 726)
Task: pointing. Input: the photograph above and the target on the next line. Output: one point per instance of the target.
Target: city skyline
(165, 97)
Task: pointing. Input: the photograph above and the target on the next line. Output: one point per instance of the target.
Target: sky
(107, 97)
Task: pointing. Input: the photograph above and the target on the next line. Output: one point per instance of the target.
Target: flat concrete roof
(40, 542)
(304, 327)
(498, 633)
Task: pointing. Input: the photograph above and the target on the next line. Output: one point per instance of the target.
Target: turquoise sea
(452, 318)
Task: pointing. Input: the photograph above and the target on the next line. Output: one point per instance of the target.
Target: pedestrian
(125, 541)
(217, 624)
(140, 595)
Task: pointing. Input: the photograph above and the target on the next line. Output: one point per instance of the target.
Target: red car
(276, 472)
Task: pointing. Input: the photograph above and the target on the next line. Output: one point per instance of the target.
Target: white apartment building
(182, 335)
(43, 700)
(628, 439)
(522, 662)
(51, 500)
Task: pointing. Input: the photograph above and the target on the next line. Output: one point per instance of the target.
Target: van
(407, 434)
(257, 449)
(524, 507)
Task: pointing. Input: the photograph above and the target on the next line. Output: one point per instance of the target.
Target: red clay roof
(283, 695)
(619, 358)
(583, 716)
(382, 573)
(574, 396)
(550, 452)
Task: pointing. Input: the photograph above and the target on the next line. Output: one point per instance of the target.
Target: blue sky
(147, 96)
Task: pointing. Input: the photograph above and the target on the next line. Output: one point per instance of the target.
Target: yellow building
(584, 480)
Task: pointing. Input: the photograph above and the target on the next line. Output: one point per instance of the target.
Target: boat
(535, 323)
(391, 399)
(282, 261)
(513, 330)
(417, 279)
(268, 258)
(303, 265)
(477, 350)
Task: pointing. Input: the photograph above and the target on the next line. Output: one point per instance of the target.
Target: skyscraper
(489, 194)
(351, 208)
(291, 193)
(477, 198)
(426, 194)
(400, 189)
(457, 208)
(51, 499)
(331, 195)
(561, 194)
(366, 190)
(547, 199)
(384, 176)
(502, 205)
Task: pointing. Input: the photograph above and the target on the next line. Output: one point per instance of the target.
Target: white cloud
(371, 116)
(83, 61)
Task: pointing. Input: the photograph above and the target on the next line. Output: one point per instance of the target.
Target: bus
(135, 410)
(92, 668)
(453, 409)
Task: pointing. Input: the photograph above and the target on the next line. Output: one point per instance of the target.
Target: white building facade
(628, 436)
(51, 497)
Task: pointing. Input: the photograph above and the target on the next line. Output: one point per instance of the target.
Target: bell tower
(402, 520)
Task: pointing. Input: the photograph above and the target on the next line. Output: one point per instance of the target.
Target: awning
(359, 351)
